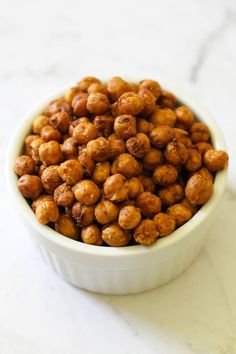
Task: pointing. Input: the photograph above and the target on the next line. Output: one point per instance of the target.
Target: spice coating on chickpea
(86, 192)
(143, 126)
(65, 226)
(27, 144)
(135, 187)
(116, 87)
(82, 214)
(215, 160)
(39, 123)
(139, 145)
(193, 208)
(164, 175)
(199, 132)
(98, 149)
(106, 212)
(84, 83)
(167, 100)
(204, 172)
(84, 132)
(70, 148)
(127, 165)
(116, 188)
(97, 87)
(49, 133)
(176, 153)
(50, 153)
(202, 147)
(180, 213)
(63, 195)
(97, 103)
(198, 189)
(148, 184)
(171, 194)
(101, 172)
(152, 159)
(184, 116)
(92, 235)
(87, 163)
(161, 136)
(152, 86)
(129, 217)
(149, 204)
(24, 165)
(34, 149)
(104, 124)
(149, 102)
(46, 211)
(30, 186)
(117, 146)
(79, 104)
(146, 233)
(71, 93)
(55, 106)
(130, 103)
(164, 116)
(115, 236)
(61, 121)
(182, 136)
(194, 160)
(51, 179)
(71, 171)
(164, 223)
(125, 126)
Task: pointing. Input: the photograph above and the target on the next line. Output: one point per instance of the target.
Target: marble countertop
(48, 44)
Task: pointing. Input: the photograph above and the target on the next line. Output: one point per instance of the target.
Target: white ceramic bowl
(112, 270)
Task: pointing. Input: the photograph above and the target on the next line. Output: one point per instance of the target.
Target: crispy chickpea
(104, 124)
(176, 153)
(39, 123)
(63, 195)
(42, 198)
(114, 109)
(194, 160)
(215, 160)
(75, 122)
(49, 133)
(164, 116)
(117, 146)
(204, 172)
(82, 214)
(84, 84)
(97, 87)
(139, 145)
(184, 116)
(149, 101)
(152, 86)
(161, 136)
(149, 204)
(146, 233)
(24, 165)
(164, 223)
(116, 87)
(65, 226)
(86, 192)
(55, 106)
(71, 171)
(87, 163)
(116, 188)
(127, 165)
(34, 146)
(202, 147)
(97, 103)
(115, 236)
(41, 169)
(135, 187)
(70, 148)
(79, 104)
(125, 126)
(129, 217)
(182, 136)
(143, 126)
(130, 103)
(27, 144)
(134, 87)
(71, 93)
(152, 159)
(98, 149)
(199, 132)
(50, 153)
(164, 175)
(106, 212)
(126, 202)
(180, 213)
(198, 189)
(92, 235)
(171, 194)
(167, 99)
(193, 208)
(30, 186)
(84, 132)
(148, 184)
(46, 210)
(101, 172)
(51, 179)
(61, 121)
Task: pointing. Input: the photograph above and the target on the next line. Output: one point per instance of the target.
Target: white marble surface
(48, 44)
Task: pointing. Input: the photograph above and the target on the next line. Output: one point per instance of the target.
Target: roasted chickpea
(152, 86)
(106, 212)
(147, 183)
(146, 233)
(39, 123)
(215, 160)
(199, 132)
(127, 165)
(143, 126)
(46, 209)
(97, 87)
(86, 192)
(135, 187)
(87, 163)
(104, 124)
(116, 87)
(130, 103)
(92, 235)
(101, 172)
(71, 171)
(167, 99)
(51, 179)
(65, 226)
(84, 84)
(198, 189)
(202, 147)
(71, 93)
(180, 213)
(139, 145)
(149, 101)
(98, 149)
(115, 236)
(193, 208)
(27, 144)
(164, 116)
(55, 106)
(24, 165)
(194, 160)
(171, 194)
(117, 146)
(129, 217)
(134, 87)
(83, 214)
(41, 169)
(149, 204)
(164, 175)
(182, 136)
(176, 153)
(79, 104)
(34, 146)
(125, 126)
(48, 133)
(152, 159)
(42, 198)
(30, 186)
(164, 223)
(161, 136)
(114, 109)
(61, 121)
(116, 188)
(184, 116)
(50, 153)
(204, 172)
(75, 122)
(84, 132)
(70, 148)
(63, 195)
(97, 103)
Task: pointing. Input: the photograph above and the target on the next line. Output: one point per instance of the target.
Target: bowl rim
(15, 146)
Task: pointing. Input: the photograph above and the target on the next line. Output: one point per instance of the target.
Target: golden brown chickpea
(129, 217)
(193, 208)
(106, 212)
(48, 133)
(148, 184)
(79, 104)
(149, 204)
(50, 153)
(143, 126)
(46, 210)
(97, 103)
(171, 194)
(51, 179)
(198, 189)
(70, 148)
(161, 136)
(134, 87)
(65, 226)
(146, 233)
(215, 160)
(182, 136)
(135, 187)
(116, 188)
(184, 116)
(87, 163)
(115, 112)
(104, 124)
(164, 223)
(176, 153)
(194, 160)
(152, 86)
(86, 192)
(163, 116)
(84, 132)
(202, 147)
(24, 165)
(75, 122)
(55, 106)
(63, 195)
(34, 146)
(204, 172)
(115, 236)
(164, 175)
(167, 99)
(125, 126)
(83, 214)
(180, 213)
(149, 101)
(41, 169)
(126, 202)
(139, 145)
(117, 146)
(116, 87)
(199, 132)
(130, 103)
(84, 84)
(101, 172)
(152, 159)
(30, 186)
(127, 165)
(39, 200)
(39, 123)
(71, 171)
(61, 121)
(92, 235)
(98, 149)
(71, 93)
(97, 87)
(27, 144)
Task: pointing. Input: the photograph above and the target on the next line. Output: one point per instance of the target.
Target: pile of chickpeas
(117, 163)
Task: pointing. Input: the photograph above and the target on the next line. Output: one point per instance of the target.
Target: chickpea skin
(171, 194)
(98, 149)
(106, 212)
(65, 226)
(129, 217)
(125, 126)
(84, 84)
(34, 147)
(48, 133)
(161, 136)
(117, 146)
(149, 204)
(139, 145)
(152, 159)
(215, 160)
(199, 132)
(63, 195)
(202, 147)
(164, 175)
(97, 87)
(198, 189)
(50, 153)
(97, 103)
(135, 187)
(86, 192)
(130, 103)
(30, 186)
(180, 213)
(82, 214)
(164, 223)
(149, 101)
(71, 171)
(184, 116)
(27, 144)
(79, 104)
(70, 148)
(194, 160)
(152, 86)
(84, 132)
(204, 172)
(51, 179)
(116, 188)
(144, 126)
(116, 87)
(61, 121)
(39, 123)
(127, 165)
(87, 163)
(164, 116)
(115, 236)
(193, 208)
(92, 235)
(146, 233)
(46, 210)
(24, 165)
(167, 100)
(104, 124)
(55, 106)
(176, 153)
(71, 93)
(182, 136)
(148, 184)
(101, 172)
